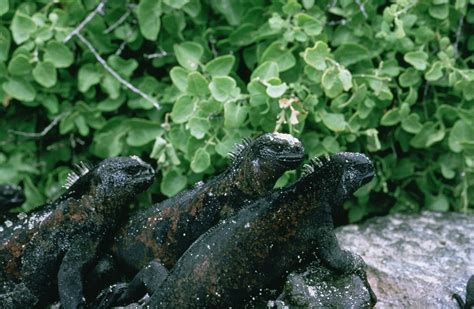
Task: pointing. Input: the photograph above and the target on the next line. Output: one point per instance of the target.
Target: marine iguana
(164, 231)
(10, 196)
(263, 242)
(469, 304)
(47, 253)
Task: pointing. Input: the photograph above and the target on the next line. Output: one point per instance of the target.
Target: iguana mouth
(292, 159)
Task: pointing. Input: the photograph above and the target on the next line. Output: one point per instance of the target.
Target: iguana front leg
(70, 275)
(145, 281)
(19, 297)
(340, 260)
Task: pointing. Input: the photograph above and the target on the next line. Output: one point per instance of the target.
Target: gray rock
(415, 261)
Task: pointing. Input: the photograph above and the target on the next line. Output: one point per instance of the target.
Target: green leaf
(19, 65)
(412, 124)
(346, 79)
(87, 77)
(351, 53)
(188, 54)
(331, 82)
(148, 14)
(404, 168)
(428, 135)
(279, 53)
(220, 66)
(201, 161)
(109, 141)
(172, 183)
(111, 86)
(176, 4)
(439, 11)
(4, 6)
(234, 115)
(124, 67)
(159, 147)
(142, 132)
(45, 74)
(58, 54)
(199, 127)
(437, 203)
(233, 11)
(276, 91)
(418, 59)
(183, 109)
(461, 132)
(22, 26)
(435, 72)
(197, 84)
(179, 76)
(390, 118)
(409, 78)
(221, 87)
(265, 71)
(5, 42)
(19, 89)
(110, 104)
(316, 56)
(311, 26)
(373, 141)
(335, 122)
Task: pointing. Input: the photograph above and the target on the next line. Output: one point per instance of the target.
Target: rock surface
(415, 261)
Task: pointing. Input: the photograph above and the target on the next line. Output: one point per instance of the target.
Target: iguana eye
(133, 170)
(362, 169)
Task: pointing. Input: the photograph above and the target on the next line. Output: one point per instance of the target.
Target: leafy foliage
(390, 78)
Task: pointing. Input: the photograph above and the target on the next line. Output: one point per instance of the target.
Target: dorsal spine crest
(239, 148)
(79, 170)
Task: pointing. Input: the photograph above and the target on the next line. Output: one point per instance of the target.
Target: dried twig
(98, 10)
(42, 133)
(115, 74)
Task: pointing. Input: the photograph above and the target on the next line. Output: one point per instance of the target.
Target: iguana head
(340, 175)
(262, 161)
(113, 179)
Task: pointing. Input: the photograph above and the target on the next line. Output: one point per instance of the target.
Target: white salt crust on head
(287, 137)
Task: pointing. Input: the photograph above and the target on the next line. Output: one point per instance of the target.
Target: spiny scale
(238, 148)
(307, 169)
(81, 169)
(315, 163)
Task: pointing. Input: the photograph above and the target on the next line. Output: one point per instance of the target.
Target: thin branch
(362, 8)
(120, 49)
(458, 33)
(45, 131)
(118, 22)
(98, 10)
(115, 74)
(161, 54)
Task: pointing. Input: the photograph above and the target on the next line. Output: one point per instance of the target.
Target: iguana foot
(110, 297)
(359, 268)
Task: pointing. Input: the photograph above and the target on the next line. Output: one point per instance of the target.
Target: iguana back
(165, 230)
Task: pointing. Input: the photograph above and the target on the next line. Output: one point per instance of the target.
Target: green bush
(393, 79)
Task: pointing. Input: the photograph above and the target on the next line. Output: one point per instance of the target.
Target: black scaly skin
(10, 196)
(259, 246)
(164, 231)
(50, 250)
(469, 304)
